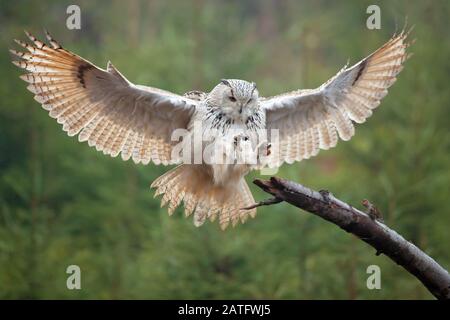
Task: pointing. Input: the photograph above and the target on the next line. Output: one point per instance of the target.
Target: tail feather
(175, 202)
(202, 198)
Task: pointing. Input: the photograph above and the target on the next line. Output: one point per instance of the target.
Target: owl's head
(237, 98)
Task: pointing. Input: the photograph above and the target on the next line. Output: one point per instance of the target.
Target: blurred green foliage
(63, 203)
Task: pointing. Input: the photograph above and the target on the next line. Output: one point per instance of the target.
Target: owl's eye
(245, 138)
(249, 100)
(233, 99)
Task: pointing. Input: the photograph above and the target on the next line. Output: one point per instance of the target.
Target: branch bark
(366, 227)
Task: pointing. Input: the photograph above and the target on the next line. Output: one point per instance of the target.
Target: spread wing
(310, 120)
(102, 106)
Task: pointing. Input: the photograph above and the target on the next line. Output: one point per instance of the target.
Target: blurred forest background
(63, 203)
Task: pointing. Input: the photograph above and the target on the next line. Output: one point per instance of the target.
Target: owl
(214, 138)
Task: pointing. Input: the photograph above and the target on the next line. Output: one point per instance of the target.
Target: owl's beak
(240, 109)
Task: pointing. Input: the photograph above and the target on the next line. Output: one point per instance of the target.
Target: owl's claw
(264, 148)
(268, 149)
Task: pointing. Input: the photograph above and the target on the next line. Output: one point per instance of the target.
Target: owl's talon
(268, 149)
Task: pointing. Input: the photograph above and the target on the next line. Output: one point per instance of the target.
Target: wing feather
(102, 106)
(315, 118)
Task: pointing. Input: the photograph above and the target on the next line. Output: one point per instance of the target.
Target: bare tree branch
(367, 227)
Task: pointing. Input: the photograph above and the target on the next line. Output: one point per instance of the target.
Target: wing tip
(17, 63)
(22, 43)
(403, 35)
(37, 43)
(16, 53)
(24, 77)
(55, 44)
